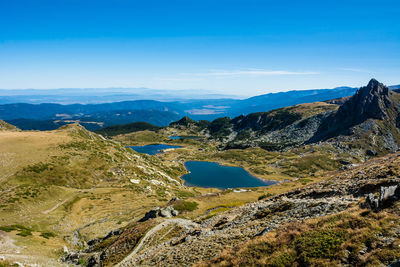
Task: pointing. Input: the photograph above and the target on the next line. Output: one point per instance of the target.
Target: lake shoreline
(241, 177)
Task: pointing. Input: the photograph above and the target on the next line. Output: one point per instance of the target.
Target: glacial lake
(152, 149)
(212, 174)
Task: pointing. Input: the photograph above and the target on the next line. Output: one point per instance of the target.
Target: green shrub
(47, 235)
(24, 232)
(255, 252)
(283, 259)
(318, 244)
(265, 196)
(186, 206)
(14, 227)
(184, 194)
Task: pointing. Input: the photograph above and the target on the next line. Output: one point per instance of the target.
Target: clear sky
(234, 46)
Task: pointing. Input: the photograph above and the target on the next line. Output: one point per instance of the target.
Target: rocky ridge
(368, 120)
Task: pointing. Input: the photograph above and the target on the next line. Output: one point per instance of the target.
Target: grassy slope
(70, 179)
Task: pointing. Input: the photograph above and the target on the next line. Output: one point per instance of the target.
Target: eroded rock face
(167, 212)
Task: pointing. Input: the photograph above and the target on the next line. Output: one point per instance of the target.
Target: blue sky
(233, 46)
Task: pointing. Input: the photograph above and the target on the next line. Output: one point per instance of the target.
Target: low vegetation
(350, 238)
(185, 205)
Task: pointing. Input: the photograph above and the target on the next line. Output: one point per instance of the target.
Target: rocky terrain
(173, 243)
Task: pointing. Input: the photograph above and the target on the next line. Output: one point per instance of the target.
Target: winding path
(127, 261)
(56, 206)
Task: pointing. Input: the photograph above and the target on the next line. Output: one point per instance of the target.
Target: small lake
(184, 137)
(212, 174)
(152, 149)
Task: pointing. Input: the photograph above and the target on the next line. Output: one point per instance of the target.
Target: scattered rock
(134, 181)
(167, 212)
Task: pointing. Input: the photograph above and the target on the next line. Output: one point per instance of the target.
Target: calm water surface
(212, 174)
(152, 149)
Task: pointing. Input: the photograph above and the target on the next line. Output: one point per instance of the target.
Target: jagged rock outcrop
(373, 101)
(386, 196)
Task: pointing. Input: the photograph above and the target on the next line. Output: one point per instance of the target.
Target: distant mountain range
(48, 116)
(103, 95)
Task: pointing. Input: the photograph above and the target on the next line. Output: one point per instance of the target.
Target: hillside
(60, 188)
(4, 126)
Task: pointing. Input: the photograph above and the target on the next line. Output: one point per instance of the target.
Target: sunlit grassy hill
(75, 185)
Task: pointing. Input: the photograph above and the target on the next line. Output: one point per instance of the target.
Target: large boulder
(387, 195)
(166, 212)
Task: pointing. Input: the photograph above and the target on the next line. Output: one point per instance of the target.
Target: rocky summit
(374, 101)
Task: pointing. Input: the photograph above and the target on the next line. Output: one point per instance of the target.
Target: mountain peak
(373, 82)
(376, 88)
(369, 102)
(184, 121)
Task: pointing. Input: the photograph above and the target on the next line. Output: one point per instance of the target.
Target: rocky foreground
(178, 242)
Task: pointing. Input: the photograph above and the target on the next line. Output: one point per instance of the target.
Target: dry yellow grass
(19, 149)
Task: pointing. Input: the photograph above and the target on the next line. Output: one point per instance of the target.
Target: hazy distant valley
(46, 109)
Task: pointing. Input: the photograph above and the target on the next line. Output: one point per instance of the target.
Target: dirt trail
(127, 261)
(56, 206)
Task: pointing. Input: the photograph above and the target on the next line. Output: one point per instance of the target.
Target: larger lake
(152, 149)
(212, 174)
